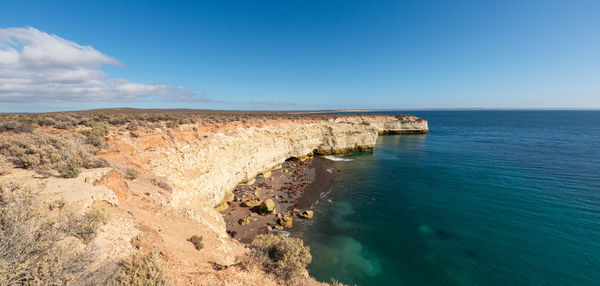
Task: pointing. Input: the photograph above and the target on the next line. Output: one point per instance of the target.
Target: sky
(299, 55)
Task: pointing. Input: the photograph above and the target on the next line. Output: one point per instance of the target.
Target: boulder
(267, 207)
(306, 214)
(251, 203)
(285, 221)
(244, 221)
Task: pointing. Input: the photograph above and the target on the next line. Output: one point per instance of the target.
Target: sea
(486, 198)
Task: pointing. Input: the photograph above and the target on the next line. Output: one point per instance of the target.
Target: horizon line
(326, 110)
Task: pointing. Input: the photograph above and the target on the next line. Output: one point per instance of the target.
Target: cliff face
(207, 169)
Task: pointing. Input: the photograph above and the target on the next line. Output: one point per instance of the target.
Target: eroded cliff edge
(204, 165)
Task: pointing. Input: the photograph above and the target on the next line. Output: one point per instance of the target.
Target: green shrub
(172, 124)
(286, 257)
(131, 174)
(94, 163)
(46, 122)
(64, 126)
(85, 227)
(56, 204)
(117, 121)
(197, 241)
(69, 170)
(95, 136)
(133, 126)
(85, 122)
(143, 269)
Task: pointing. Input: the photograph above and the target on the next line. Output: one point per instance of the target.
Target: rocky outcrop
(206, 169)
(267, 207)
(285, 221)
(306, 214)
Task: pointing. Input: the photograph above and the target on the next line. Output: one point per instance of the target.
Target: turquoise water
(486, 198)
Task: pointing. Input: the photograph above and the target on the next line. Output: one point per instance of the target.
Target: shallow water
(486, 198)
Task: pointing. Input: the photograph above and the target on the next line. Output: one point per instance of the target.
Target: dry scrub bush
(131, 174)
(16, 126)
(162, 184)
(286, 257)
(196, 241)
(43, 152)
(85, 227)
(143, 269)
(37, 248)
(5, 166)
(96, 135)
(69, 170)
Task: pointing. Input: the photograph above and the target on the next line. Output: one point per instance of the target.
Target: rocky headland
(162, 183)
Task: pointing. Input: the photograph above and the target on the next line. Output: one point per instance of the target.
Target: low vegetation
(143, 269)
(38, 248)
(196, 241)
(286, 257)
(131, 174)
(134, 119)
(69, 170)
(96, 135)
(5, 166)
(85, 227)
(46, 153)
(43, 244)
(162, 184)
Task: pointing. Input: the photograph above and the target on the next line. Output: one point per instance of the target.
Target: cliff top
(153, 118)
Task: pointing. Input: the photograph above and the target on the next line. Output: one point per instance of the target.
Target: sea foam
(334, 158)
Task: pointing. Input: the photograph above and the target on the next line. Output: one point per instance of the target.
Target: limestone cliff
(207, 169)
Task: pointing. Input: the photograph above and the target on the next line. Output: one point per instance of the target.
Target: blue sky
(299, 54)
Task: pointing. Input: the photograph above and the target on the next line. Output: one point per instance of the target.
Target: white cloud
(38, 67)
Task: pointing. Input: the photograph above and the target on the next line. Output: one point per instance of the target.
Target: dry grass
(131, 174)
(143, 269)
(60, 154)
(286, 257)
(133, 119)
(5, 166)
(85, 227)
(162, 184)
(39, 249)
